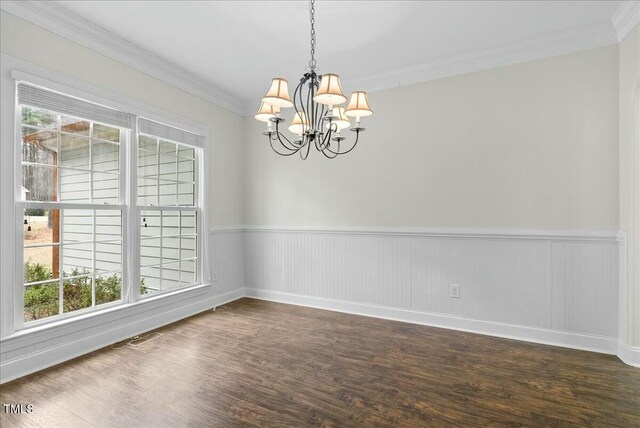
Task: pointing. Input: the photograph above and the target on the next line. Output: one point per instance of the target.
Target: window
(79, 205)
(169, 214)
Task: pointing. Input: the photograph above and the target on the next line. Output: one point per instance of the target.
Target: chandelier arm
(324, 152)
(328, 144)
(277, 152)
(303, 155)
(295, 94)
(326, 141)
(352, 147)
(290, 145)
(280, 136)
(309, 105)
(300, 109)
(319, 144)
(299, 91)
(320, 118)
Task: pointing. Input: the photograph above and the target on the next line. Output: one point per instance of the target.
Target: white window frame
(20, 206)
(11, 257)
(197, 208)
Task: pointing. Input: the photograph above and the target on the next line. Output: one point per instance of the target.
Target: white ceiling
(238, 46)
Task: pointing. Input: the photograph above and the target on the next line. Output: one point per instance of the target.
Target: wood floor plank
(256, 363)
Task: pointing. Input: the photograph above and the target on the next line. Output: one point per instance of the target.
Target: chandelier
(319, 117)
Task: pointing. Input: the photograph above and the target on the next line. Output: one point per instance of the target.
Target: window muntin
(67, 159)
(166, 173)
(167, 183)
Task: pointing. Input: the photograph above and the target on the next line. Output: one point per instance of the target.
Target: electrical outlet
(454, 291)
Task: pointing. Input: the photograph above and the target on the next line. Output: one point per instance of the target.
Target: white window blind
(160, 130)
(38, 97)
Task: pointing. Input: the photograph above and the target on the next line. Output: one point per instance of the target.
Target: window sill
(77, 320)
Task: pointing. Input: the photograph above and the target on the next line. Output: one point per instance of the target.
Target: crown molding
(79, 30)
(625, 18)
(547, 45)
(71, 26)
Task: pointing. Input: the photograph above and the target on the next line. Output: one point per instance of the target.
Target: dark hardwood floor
(255, 363)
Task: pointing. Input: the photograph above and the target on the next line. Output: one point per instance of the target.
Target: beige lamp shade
(358, 105)
(266, 112)
(299, 124)
(330, 91)
(278, 94)
(341, 120)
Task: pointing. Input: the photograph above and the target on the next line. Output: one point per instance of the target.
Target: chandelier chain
(312, 13)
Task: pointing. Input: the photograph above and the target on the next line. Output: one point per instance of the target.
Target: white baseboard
(628, 354)
(33, 362)
(42, 359)
(601, 344)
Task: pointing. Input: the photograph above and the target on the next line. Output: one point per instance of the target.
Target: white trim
(443, 232)
(227, 229)
(601, 344)
(8, 227)
(61, 21)
(543, 46)
(136, 323)
(625, 18)
(622, 289)
(628, 354)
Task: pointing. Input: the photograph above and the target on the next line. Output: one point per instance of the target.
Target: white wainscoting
(227, 253)
(547, 287)
(42, 347)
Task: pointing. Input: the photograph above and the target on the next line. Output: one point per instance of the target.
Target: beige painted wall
(630, 178)
(533, 146)
(34, 44)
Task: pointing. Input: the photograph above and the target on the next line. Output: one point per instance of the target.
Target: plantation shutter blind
(38, 97)
(160, 130)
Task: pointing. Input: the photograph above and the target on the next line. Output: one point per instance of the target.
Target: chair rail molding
(445, 232)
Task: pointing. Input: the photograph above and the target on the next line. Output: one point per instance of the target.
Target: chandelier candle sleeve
(317, 116)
